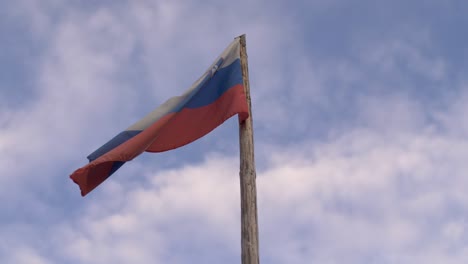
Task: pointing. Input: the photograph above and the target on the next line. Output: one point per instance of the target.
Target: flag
(216, 96)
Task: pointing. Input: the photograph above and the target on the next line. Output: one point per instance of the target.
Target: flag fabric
(216, 96)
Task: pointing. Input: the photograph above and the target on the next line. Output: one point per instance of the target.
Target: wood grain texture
(249, 218)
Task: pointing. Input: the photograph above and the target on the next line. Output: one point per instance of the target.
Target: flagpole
(249, 218)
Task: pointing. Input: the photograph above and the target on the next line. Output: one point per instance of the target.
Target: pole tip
(240, 36)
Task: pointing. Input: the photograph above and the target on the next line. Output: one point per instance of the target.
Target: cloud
(403, 54)
(77, 84)
(27, 256)
(452, 115)
(364, 197)
(360, 155)
(186, 210)
(361, 197)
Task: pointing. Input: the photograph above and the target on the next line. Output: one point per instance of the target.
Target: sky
(359, 111)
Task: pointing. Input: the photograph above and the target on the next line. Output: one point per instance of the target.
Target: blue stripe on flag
(116, 141)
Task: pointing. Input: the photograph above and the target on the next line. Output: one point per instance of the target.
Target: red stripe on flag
(89, 176)
(190, 124)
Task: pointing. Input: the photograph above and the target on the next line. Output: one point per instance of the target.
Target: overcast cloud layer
(360, 132)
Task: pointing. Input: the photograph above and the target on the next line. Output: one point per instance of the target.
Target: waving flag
(216, 96)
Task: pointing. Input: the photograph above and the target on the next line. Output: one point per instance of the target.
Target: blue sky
(360, 131)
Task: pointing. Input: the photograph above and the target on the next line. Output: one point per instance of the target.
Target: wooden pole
(249, 219)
